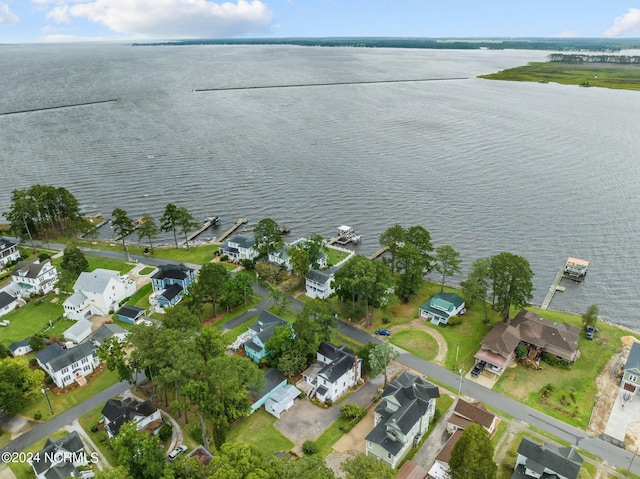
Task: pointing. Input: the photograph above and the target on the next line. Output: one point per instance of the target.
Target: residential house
(281, 256)
(68, 365)
(35, 277)
(170, 283)
(97, 293)
(79, 331)
(546, 461)
(464, 414)
(340, 369)
(130, 314)
(240, 247)
(273, 380)
(107, 331)
(116, 412)
(8, 252)
(537, 334)
(631, 371)
(7, 303)
(319, 283)
(402, 417)
(277, 396)
(20, 348)
(442, 307)
(60, 458)
(261, 330)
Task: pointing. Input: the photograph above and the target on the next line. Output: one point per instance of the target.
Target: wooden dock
(208, 223)
(221, 239)
(137, 225)
(379, 253)
(555, 286)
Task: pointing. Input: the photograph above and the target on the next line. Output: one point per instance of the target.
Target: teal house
(442, 307)
(262, 331)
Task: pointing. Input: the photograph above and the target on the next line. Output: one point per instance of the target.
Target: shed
(129, 314)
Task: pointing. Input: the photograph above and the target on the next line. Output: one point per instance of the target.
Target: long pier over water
(555, 286)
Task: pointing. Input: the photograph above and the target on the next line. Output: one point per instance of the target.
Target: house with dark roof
(129, 314)
(631, 370)
(335, 371)
(68, 365)
(34, 277)
(169, 283)
(261, 331)
(319, 283)
(442, 307)
(402, 417)
(7, 303)
(107, 331)
(60, 458)
(546, 461)
(97, 293)
(8, 252)
(20, 348)
(537, 334)
(240, 247)
(116, 412)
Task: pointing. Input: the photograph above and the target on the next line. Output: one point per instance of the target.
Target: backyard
(34, 317)
(258, 429)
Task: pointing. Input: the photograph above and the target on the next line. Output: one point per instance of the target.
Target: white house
(35, 277)
(319, 284)
(281, 256)
(60, 458)
(20, 348)
(97, 293)
(116, 412)
(8, 252)
(442, 307)
(340, 370)
(240, 247)
(68, 365)
(7, 303)
(78, 332)
(107, 331)
(545, 460)
(402, 417)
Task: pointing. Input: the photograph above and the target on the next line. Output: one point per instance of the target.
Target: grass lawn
(100, 437)
(34, 316)
(334, 256)
(140, 298)
(60, 402)
(330, 436)
(258, 429)
(146, 270)
(416, 342)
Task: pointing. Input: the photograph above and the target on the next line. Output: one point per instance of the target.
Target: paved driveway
(623, 414)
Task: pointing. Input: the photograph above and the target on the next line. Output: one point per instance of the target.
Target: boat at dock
(575, 269)
(345, 236)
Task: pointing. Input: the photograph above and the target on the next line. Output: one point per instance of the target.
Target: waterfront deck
(346, 235)
(221, 239)
(555, 286)
(208, 223)
(379, 253)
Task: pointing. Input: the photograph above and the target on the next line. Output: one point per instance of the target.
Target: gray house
(408, 405)
(631, 371)
(68, 365)
(547, 461)
(60, 458)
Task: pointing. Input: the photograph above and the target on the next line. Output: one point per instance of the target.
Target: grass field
(416, 342)
(605, 75)
(258, 429)
(33, 317)
(200, 254)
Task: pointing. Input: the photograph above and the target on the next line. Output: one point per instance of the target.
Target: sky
(29, 21)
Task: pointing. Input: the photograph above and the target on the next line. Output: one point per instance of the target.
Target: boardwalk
(379, 253)
(225, 235)
(209, 222)
(552, 290)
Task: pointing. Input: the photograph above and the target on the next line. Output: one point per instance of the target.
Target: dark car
(383, 332)
(589, 332)
(478, 368)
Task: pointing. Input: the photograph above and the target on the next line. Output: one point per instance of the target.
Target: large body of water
(540, 170)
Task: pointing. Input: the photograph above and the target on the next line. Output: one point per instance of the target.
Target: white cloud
(169, 18)
(567, 34)
(629, 22)
(6, 17)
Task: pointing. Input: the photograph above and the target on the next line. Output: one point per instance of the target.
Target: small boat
(575, 269)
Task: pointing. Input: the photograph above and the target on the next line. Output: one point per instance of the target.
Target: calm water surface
(540, 170)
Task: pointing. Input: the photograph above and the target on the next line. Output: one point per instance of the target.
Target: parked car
(478, 368)
(87, 474)
(178, 450)
(383, 332)
(589, 332)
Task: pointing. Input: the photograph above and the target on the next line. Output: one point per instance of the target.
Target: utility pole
(44, 392)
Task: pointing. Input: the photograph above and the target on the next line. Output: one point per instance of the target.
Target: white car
(178, 450)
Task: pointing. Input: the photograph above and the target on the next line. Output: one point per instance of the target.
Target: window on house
(388, 455)
(633, 378)
(85, 361)
(66, 379)
(65, 370)
(87, 368)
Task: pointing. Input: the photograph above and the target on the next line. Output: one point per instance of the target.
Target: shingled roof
(563, 461)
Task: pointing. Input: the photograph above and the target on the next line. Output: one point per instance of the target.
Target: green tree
(267, 272)
(393, 238)
(185, 467)
(512, 282)
(211, 284)
(122, 224)
(590, 316)
(316, 248)
(472, 456)
(186, 222)
(181, 318)
(268, 236)
(238, 460)
(476, 286)
(170, 221)
(412, 268)
(73, 260)
(209, 343)
(37, 342)
(4, 351)
(447, 262)
(367, 467)
(280, 300)
(363, 353)
(114, 354)
(307, 467)
(18, 384)
(148, 229)
(299, 259)
(118, 472)
(380, 357)
(141, 454)
(320, 311)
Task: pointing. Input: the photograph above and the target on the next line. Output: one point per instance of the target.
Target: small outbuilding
(129, 314)
(79, 331)
(20, 348)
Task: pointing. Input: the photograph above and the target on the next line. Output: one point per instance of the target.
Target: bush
(224, 258)
(165, 432)
(351, 411)
(329, 402)
(554, 361)
(454, 321)
(521, 351)
(309, 447)
(248, 264)
(437, 414)
(48, 379)
(44, 256)
(33, 362)
(37, 416)
(94, 428)
(196, 432)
